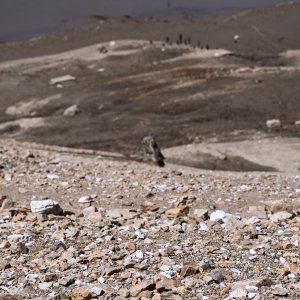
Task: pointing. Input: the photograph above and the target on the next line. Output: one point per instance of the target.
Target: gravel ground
(79, 225)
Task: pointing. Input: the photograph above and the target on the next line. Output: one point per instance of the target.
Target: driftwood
(152, 149)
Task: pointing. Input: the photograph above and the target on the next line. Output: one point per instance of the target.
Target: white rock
(251, 288)
(52, 294)
(280, 291)
(165, 268)
(274, 123)
(139, 234)
(236, 271)
(252, 295)
(282, 260)
(253, 220)
(72, 110)
(57, 160)
(62, 79)
(112, 44)
(238, 293)
(218, 214)
(52, 176)
(45, 207)
(280, 216)
(31, 277)
(108, 238)
(128, 261)
(116, 213)
(14, 238)
(97, 291)
(90, 247)
(297, 123)
(236, 37)
(139, 254)
(45, 285)
(201, 213)
(202, 227)
(296, 286)
(85, 199)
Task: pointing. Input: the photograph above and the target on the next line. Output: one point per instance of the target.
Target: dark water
(23, 19)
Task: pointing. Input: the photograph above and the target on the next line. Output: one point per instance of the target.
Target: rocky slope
(109, 96)
(128, 230)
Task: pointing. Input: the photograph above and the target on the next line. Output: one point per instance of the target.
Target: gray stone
(280, 291)
(14, 238)
(46, 207)
(89, 210)
(217, 276)
(201, 213)
(208, 279)
(296, 286)
(280, 216)
(45, 285)
(66, 281)
(238, 293)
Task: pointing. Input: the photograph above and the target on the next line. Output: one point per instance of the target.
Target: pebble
(139, 254)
